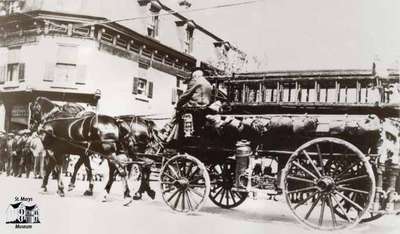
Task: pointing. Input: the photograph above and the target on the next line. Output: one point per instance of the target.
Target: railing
(333, 87)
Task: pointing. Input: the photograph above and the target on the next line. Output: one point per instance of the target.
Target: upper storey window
(66, 64)
(15, 69)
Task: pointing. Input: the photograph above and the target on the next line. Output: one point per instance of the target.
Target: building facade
(78, 51)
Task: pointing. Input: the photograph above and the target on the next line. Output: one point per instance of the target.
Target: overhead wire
(169, 12)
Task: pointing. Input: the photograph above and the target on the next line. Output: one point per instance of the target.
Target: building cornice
(113, 34)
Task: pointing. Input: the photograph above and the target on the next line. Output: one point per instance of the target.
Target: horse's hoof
(71, 187)
(137, 196)
(61, 193)
(105, 197)
(151, 194)
(127, 201)
(44, 189)
(88, 193)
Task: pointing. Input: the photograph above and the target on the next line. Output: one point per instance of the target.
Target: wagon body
(334, 136)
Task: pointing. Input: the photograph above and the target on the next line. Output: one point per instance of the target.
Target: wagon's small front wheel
(185, 183)
(223, 178)
(328, 184)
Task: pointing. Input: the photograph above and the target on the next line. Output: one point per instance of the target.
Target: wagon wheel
(223, 178)
(324, 173)
(185, 183)
(331, 165)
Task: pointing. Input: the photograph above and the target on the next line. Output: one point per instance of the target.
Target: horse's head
(40, 109)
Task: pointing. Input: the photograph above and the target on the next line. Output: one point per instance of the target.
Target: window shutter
(49, 72)
(174, 95)
(150, 91)
(81, 75)
(135, 85)
(2, 74)
(21, 75)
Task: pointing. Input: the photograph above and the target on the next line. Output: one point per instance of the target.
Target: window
(15, 69)
(152, 29)
(65, 72)
(142, 88)
(12, 72)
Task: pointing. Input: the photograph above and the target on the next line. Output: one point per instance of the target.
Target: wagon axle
(326, 184)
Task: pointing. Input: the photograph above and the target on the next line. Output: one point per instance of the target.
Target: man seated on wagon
(198, 94)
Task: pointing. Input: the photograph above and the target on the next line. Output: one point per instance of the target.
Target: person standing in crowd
(3, 149)
(21, 152)
(38, 152)
(26, 161)
(10, 153)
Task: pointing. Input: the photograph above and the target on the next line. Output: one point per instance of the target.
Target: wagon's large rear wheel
(329, 184)
(185, 183)
(222, 181)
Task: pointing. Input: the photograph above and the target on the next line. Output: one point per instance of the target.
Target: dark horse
(63, 135)
(52, 111)
(143, 141)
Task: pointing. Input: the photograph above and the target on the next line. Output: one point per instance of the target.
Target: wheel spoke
(227, 197)
(169, 190)
(189, 169)
(222, 196)
(219, 191)
(305, 200)
(190, 177)
(352, 190)
(312, 207)
(173, 195)
(321, 214)
(352, 179)
(190, 206)
(350, 201)
(341, 208)
(321, 164)
(177, 200)
(233, 196)
(167, 182)
(353, 164)
(302, 189)
(196, 192)
(183, 200)
(329, 201)
(169, 176)
(304, 169)
(178, 167)
(300, 179)
(174, 173)
(240, 195)
(311, 162)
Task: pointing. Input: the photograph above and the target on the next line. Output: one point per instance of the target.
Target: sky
(308, 34)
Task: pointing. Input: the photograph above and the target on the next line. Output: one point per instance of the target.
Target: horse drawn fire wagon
(333, 137)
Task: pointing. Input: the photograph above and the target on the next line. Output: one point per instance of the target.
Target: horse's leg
(88, 168)
(127, 198)
(59, 166)
(145, 184)
(78, 164)
(48, 168)
(110, 181)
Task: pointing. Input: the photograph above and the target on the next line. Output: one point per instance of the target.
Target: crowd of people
(21, 153)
